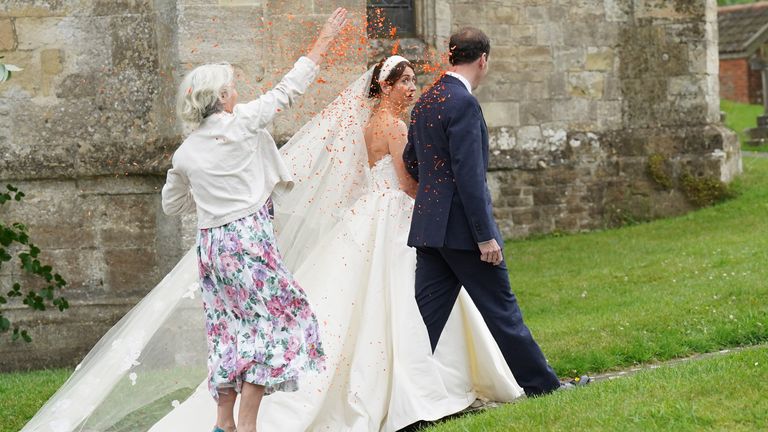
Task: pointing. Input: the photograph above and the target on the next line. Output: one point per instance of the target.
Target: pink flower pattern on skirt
(260, 326)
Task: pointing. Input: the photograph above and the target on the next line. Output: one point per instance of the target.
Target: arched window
(383, 15)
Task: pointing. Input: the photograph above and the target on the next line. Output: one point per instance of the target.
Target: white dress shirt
(229, 166)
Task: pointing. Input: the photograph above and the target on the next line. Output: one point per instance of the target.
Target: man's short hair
(468, 45)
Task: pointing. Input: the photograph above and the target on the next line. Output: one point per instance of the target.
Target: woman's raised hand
(328, 33)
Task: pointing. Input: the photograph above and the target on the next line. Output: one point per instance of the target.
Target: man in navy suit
(453, 230)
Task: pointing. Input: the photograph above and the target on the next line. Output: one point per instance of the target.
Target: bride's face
(403, 91)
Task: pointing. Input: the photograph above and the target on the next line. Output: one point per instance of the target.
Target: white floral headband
(390, 64)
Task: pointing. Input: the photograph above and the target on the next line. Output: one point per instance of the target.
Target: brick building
(743, 35)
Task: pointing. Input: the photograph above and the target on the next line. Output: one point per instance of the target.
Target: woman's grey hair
(199, 93)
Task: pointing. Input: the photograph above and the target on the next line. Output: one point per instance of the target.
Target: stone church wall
(582, 95)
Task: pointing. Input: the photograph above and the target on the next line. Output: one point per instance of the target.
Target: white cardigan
(230, 165)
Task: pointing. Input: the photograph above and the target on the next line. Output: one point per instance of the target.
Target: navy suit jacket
(447, 153)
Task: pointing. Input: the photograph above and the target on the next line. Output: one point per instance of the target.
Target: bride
(343, 231)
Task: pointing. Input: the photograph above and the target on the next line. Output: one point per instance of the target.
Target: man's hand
(490, 252)
(328, 33)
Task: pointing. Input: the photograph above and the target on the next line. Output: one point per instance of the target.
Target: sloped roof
(740, 26)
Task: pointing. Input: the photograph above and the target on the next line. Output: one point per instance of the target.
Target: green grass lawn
(716, 394)
(611, 299)
(740, 117)
(654, 291)
(23, 393)
(734, 2)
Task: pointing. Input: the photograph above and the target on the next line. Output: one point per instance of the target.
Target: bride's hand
(328, 33)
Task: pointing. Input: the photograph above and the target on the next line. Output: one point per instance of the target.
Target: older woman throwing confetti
(262, 334)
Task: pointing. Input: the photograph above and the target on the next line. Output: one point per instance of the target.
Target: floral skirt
(260, 326)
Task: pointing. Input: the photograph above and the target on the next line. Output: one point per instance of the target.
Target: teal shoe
(217, 429)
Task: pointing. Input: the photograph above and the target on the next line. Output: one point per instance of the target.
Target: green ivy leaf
(28, 260)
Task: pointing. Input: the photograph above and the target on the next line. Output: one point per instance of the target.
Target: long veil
(155, 356)
(327, 158)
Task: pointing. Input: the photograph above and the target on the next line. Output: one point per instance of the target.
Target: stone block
(297, 8)
(59, 339)
(689, 85)
(203, 36)
(121, 7)
(133, 43)
(7, 35)
(600, 59)
(569, 58)
(522, 34)
(127, 220)
(536, 15)
(670, 9)
(251, 3)
(535, 112)
(612, 87)
(465, 14)
(324, 7)
(576, 111)
(82, 268)
(505, 14)
(537, 90)
(550, 34)
(51, 61)
(36, 161)
(501, 113)
(618, 10)
(558, 85)
(609, 116)
(591, 31)
(535, 54)
(530, 138)
(24, 84)
(586, 84)
(131, 271)
(41, 8)
(502, 139)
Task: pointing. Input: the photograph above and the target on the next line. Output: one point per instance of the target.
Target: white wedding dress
(343, 232)
(381, 374)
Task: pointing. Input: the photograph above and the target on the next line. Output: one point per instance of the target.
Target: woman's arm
(260, 112)
(177, 195)
(397, 140)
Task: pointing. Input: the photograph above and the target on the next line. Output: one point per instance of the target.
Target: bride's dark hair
(397, 72)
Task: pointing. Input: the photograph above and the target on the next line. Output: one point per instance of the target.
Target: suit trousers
(440, 274)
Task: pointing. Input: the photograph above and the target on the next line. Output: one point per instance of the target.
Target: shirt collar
(462, 79)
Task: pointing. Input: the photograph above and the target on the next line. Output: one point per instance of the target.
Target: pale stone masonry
(581, 93)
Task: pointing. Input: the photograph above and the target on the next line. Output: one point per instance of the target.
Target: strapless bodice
(383, 175)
